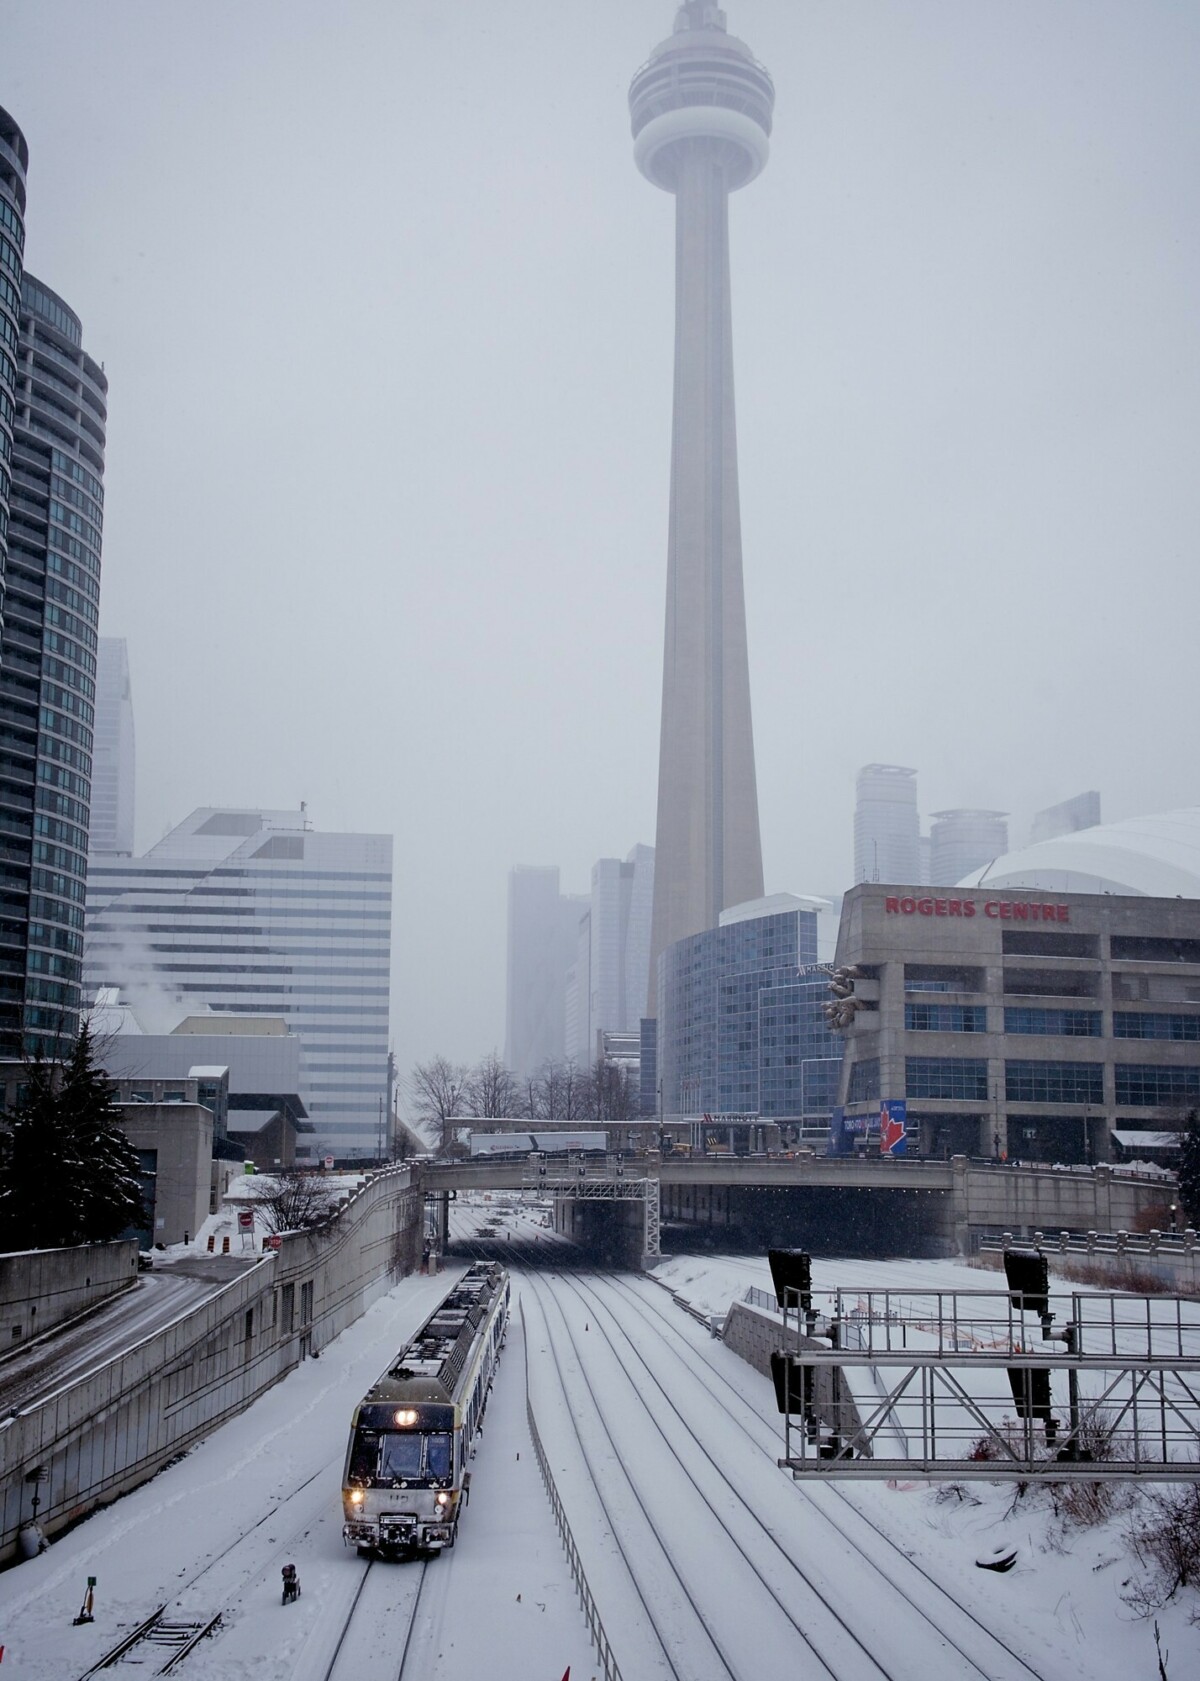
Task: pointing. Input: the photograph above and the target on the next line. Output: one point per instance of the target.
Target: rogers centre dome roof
(1158, 856)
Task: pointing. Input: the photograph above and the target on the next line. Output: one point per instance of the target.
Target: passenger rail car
(537, 1143)
(407, 1478)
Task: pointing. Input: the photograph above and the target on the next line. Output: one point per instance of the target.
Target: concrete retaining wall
(756, 1335)
(111, 1430)
(1026, 1199)
(1142, 1271)
(39, 1288)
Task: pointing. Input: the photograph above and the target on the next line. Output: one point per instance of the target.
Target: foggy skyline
(386, 312)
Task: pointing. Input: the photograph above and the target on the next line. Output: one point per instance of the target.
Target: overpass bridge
(617, 1206)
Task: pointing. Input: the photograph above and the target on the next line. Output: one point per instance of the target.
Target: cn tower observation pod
(701, 84)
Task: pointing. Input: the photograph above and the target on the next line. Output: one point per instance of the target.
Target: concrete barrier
(40, 1288)
(1146, 1264)
(755, 1335)
(105, 1433)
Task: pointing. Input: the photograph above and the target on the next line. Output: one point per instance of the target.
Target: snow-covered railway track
(852, 1618)
(160, 1637)
(651, 1577)
(948, 1620)
(782, 1607)
(376, 1639)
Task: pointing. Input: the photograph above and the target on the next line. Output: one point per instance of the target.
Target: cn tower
(701, 113)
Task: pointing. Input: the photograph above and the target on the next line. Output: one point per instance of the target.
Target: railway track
(922, 1592)
(666, 1637)
(160, 1636)
(815, 1608)
(380, 1623)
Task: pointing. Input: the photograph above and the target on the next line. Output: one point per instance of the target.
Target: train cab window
(438, 1453)
(401, 1458)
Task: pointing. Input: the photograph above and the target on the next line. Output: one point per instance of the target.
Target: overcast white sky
(387, 315)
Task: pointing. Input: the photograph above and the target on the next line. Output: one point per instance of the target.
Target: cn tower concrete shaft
(701, 110)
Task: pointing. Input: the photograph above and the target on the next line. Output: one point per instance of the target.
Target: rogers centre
(1061, 1027)
(1003, 910)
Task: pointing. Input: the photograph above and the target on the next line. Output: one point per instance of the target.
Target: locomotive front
(404, 1477)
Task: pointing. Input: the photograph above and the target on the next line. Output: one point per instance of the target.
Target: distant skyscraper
(962, 841)
(1082, 812)
(113, 765)
(701, 111)
(887, 829)
(543, 931)
(613, 953)
(52, 425)
(255, 913)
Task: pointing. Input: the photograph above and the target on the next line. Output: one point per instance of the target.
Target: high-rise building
(701, 110)
(113, 762)
(1066, 818)
(741, 1024)
(607, 989)
(887, 829)
(962, 841)
(256, 913)
(53, 413)
(543, 940)
(14, 161)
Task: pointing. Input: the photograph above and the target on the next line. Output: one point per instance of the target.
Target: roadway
(36, 1369)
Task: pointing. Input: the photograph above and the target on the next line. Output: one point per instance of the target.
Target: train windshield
(407, 1456)
(401, 1456)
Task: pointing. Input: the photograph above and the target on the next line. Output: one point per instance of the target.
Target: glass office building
(741, 1023)
(256, 913)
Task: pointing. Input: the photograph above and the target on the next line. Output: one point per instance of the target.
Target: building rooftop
(1157, 856)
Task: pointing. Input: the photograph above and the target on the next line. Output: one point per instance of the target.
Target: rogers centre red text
(1006, 910)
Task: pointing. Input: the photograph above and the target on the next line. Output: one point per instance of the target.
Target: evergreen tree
(68, 1173)
(1189, 1169)
(36, 1172)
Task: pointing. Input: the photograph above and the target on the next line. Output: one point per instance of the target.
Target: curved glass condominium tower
(53, 409)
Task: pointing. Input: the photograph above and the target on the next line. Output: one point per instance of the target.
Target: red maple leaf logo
(890, 1132)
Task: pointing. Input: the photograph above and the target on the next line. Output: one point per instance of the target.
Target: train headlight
(443, 1498)
(406, 1415)
(356, 1497)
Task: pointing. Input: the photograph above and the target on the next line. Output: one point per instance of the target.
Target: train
(537, 1143)
(407, 1478)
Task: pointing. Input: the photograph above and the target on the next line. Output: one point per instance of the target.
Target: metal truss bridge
(988, 1385)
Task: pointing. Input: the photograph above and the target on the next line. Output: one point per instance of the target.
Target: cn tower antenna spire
(701, 110)
(699, 14)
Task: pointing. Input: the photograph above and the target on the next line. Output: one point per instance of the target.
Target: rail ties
(343, 1664)
(173, 1635)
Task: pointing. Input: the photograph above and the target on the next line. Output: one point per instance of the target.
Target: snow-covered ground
(662, 1443)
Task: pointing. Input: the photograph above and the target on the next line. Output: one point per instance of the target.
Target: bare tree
(533, 1098)
(293, 1201)
(613, 1099)
(438, 1091)
(556, 1093)
(491, 1089)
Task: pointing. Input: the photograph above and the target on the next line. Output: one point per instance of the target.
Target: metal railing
(854, 1337)
(591, 1612)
